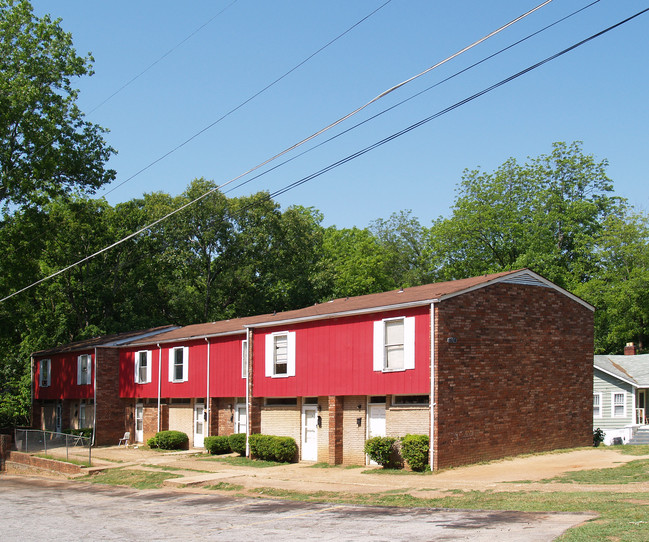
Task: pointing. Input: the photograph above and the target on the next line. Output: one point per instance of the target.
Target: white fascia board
(506, 278)
(634, 384)
(138, 337)
(342, 314)
(190, 338)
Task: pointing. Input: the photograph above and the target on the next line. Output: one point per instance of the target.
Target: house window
(143, 367)
(394, 344)
(178, 364)
(244, 359)
(280, 354)
(281, 401)
(44, 373)
(84, 370)
(597, 405)
(618, 403)
(408, 400)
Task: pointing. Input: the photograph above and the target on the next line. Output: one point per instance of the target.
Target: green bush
(152, 443)
(171, 440)
(272, 448)
(414, 449)
(598, 437)
(238, 443)
(217, 445)
(379, 449)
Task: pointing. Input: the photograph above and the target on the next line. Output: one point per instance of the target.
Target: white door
(199, 425)
(139, 422)
(309, 433)
(375, 423)
(241, 421)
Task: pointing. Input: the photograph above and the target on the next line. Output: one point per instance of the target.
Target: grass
(138, 479)
(633, 471)
(626, 449)
(63, 460)
(243, 461)
(225, 486)
(394, 471)
(322, 466)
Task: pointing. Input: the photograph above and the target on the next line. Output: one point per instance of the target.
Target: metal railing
(37, 440)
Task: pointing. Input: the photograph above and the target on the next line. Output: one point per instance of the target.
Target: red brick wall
(335, 430)
(42, 463)
(222, 415)
(519, 378)
(109, 425)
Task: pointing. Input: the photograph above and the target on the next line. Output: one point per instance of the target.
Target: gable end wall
(519, 378)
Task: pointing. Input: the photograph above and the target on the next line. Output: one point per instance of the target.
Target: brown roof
(105, 340)
(394, 298)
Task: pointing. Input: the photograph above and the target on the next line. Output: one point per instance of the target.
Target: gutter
(159, 380)
(207, 399)
(433, 403)
(94, 402)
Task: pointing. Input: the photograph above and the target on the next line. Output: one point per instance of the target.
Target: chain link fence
(37, 441)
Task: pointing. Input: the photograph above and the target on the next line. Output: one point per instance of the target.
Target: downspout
(433, 404)
(159, 380)
(248, 375)
(94, 403)
(32, 386)
(208, 410)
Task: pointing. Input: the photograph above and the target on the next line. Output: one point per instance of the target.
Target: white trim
(48, 382)
(634, 384)
(206, 428)
(185, 339)
(147, 378)
(159, 383)
(244, 358)
(601, 404)
(87, 380)
(172, 362)
(303, 445)
(431, 434)
(613, 394)
(379, 355)
(269, 361)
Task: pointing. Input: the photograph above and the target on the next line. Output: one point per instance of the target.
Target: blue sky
(596, 94)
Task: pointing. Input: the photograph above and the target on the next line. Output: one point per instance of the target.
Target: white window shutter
(136, 373)
(148, 365)
(171, 365)
(290, 365)
(409, 343)
(270, 347)
(185, 363)
(89, 371)
(379, 350)
(48, 380)
(78, 370)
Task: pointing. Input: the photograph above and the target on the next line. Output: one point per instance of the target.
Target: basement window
(281, 401)
(411, 400)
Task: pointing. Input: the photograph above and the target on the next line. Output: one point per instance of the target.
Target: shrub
(598, 437)
(272, 448)
(238, 443)
(171, 440)
(379, 449)
(414, 449)
(152, 443)
(217, 445)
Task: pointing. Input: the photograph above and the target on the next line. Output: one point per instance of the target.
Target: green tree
(46, 146)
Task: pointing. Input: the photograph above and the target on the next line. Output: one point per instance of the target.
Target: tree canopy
(47, 148)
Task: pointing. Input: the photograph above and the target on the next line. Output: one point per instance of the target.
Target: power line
(285, 151)
(165, 55)
(342, 119)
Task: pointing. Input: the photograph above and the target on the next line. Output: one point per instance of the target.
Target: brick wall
(353, 435)
(222, 415)
(519, 378)
(403, 420)
(109, 427)
(5, 447)
(283, 421)
(335, 430)
(149, 422)
(42, 463)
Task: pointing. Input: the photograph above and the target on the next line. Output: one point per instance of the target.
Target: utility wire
(296, 145)
(273, 83)
(133, 79)
(316, 134)
(409, 98)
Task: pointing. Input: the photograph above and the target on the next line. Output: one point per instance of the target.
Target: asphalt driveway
(42, 509)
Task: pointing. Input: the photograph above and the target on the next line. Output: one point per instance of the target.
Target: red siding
(63, 381)
(225, 370)
(335, 357)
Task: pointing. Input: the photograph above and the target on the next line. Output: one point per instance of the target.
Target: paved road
(45, 509)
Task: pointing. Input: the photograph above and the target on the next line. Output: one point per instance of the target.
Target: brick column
(5, 448)
(110, 409)
(335, 430)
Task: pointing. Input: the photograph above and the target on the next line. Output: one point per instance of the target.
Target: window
(618, 405)
(84, 369)
(597, 405)
(244, 359)
(280, 354)
(143, 367)
(82, 415)
(281, 401)
(408, 400)
(394, 344)
(178, 364)
(44, 373)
